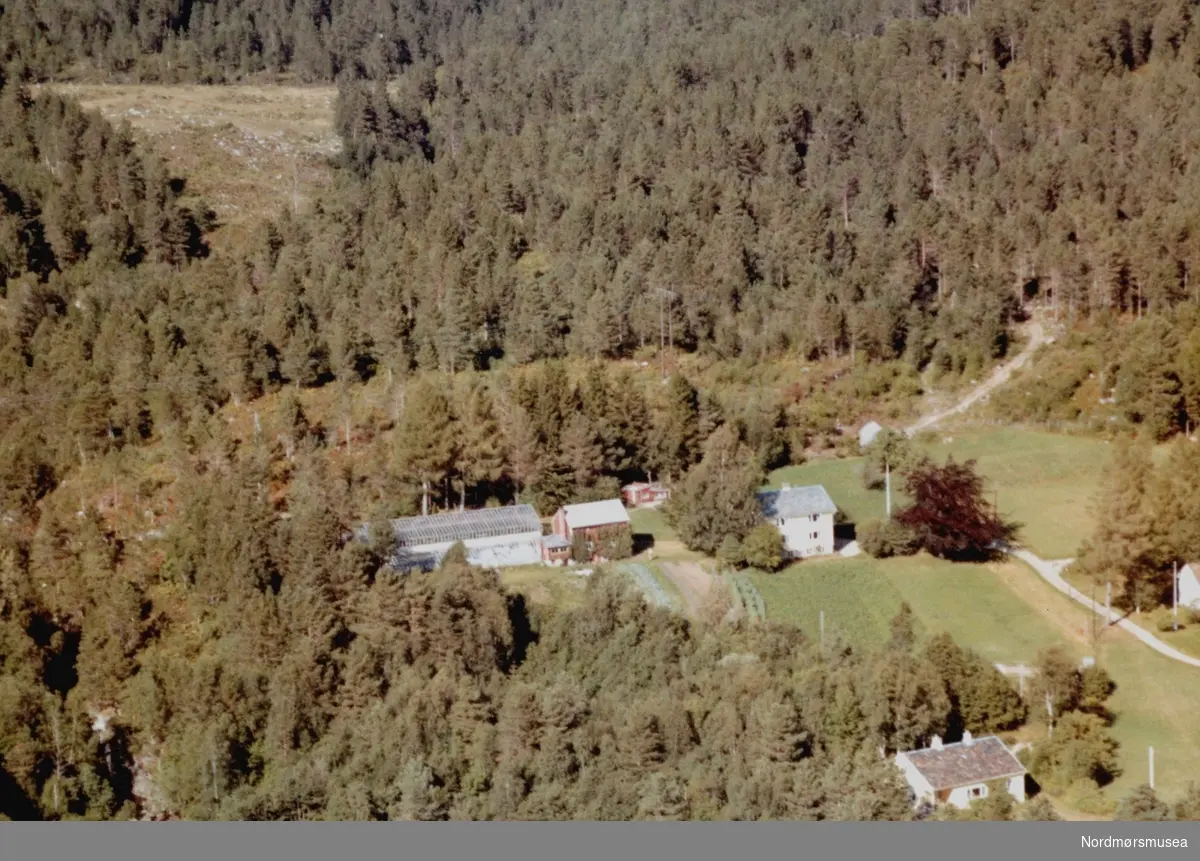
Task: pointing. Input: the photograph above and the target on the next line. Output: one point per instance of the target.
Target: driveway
(1051, 572)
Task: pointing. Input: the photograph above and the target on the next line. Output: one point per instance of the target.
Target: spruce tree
(426, 439)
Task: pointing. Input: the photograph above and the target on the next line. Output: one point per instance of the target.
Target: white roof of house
(588, 514)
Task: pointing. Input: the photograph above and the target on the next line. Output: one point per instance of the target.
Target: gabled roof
(555, 542)
(589, 514)
(466, 525)
(796, 502)
(963, 763)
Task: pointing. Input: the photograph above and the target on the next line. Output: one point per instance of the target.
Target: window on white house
(978, 791)
(814, 518)
(814, 535)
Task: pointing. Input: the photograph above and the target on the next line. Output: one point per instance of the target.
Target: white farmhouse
(1189, 586)
(803, 516)
(960, 773)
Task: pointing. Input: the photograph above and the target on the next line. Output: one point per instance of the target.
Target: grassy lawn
(973, 603)
(545, 584)
(651, 530)
(1044, 481)
(1007, 613)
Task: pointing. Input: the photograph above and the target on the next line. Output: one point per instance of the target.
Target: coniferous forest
(526, 189)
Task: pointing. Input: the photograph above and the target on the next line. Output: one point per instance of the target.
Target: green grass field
(973, 603)
(545, 584)
(650, 521)
(650, 527)
(1044, 481)
(1006, 613)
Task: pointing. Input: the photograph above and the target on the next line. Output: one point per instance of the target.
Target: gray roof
(555, 542)
(466, 525)
(964, 763)
(796, 502)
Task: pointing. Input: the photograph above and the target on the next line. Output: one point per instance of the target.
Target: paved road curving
(1000, 376)
(1051, 572)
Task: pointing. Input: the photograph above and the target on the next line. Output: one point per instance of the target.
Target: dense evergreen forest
(525, 188)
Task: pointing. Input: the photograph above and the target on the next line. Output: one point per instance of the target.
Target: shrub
(614, 542)
(763, 548)
(1193, 615)
(731, 553)
(885, 538)
(1086, 797)
(1165, 620)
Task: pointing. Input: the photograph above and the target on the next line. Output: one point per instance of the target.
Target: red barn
(645, 494)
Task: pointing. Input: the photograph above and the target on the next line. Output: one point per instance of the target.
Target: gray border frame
(583, 841)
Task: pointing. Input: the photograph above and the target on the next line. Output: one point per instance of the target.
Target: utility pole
(1151, 766)
(1108, 603)
(887, 481)
(665, 323)
(1175, 595)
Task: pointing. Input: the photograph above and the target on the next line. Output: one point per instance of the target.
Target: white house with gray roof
(803, 516)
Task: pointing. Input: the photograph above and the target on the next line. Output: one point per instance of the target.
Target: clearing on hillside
(248, 151)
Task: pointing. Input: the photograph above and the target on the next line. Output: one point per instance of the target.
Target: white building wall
(807, 536)
(964, 795)
(526, 549)
(1016, 788)
(1189, 587)
(922, 790)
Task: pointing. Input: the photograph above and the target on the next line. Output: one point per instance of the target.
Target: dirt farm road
(1000, 376)
(692, 581)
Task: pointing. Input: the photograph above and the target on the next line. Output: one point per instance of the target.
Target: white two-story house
(803, 516)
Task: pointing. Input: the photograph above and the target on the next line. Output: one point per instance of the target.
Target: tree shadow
(642, 541)
(15, 803)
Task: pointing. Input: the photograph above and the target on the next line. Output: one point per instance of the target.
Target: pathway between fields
(1051, 572)
(692, 581)
(1000, 376)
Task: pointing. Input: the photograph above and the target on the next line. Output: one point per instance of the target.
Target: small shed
(645, 494)
(556, 550)
(868, 432)
(960, 773)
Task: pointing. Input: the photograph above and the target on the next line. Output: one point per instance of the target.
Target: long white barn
(494, 537)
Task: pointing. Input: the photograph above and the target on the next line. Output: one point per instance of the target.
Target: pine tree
(718, 497)
(1121, 548)
(582, 450)
(426, 439)
(675, 435)
(482, 457)
(1176, 511)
